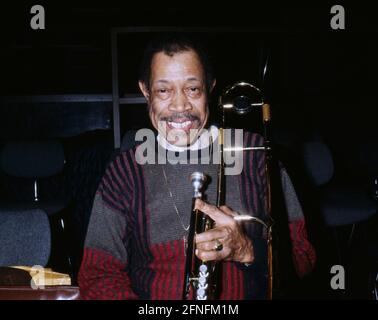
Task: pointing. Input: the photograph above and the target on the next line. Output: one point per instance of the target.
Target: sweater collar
(203, 141)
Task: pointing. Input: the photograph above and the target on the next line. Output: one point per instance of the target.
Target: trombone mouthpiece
(198, 180)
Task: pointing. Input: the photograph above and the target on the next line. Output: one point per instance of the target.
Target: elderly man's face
(177, 97)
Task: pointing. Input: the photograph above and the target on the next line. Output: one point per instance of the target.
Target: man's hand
(236, 245)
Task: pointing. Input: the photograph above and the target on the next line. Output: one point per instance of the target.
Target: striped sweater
(135, 245)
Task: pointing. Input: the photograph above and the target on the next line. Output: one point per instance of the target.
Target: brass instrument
(243, 97)
(202, 276)
(202, 280)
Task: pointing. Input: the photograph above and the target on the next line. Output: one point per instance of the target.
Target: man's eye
(194, 91)
(163, 92)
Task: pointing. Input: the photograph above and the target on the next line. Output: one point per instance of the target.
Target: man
(136, 240)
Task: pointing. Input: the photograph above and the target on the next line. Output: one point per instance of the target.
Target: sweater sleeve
(303, 253)
(103, 272)
(304, 256)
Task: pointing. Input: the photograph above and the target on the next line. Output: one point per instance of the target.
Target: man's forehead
(189, 79)
(181, 62)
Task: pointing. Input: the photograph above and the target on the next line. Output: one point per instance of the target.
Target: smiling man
(177, 80)
(137, 236)
(177, 96)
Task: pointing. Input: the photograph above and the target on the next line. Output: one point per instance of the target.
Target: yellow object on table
(46, 277)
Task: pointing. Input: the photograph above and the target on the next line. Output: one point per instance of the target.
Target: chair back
(25, 238)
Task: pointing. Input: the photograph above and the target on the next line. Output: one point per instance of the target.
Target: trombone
(203, 276)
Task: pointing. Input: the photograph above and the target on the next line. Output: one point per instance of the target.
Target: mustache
(180, 115)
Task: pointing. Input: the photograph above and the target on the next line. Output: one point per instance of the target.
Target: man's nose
(180, 102)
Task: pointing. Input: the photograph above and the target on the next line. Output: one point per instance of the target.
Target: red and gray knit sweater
(135, 248)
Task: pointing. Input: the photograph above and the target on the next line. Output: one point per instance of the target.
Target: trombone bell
(241, 97)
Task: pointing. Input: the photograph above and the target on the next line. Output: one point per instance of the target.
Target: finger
(208, 245)
(210, 255)
(212, 211)
(228, 211)
(210, 235)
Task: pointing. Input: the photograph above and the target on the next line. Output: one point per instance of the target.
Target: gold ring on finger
(218, 246)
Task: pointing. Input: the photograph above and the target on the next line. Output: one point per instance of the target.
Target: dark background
(316, 74)
(320, 82)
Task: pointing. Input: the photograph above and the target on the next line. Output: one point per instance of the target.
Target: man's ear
(213, 85)
(144, 89)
